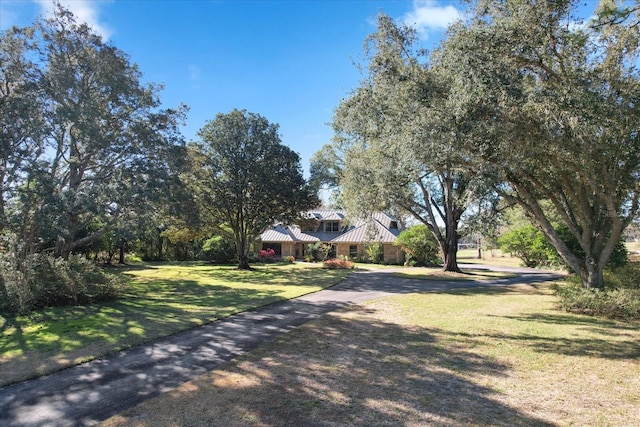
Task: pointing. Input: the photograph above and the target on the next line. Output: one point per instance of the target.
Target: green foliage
(620, 300)
(530, 245)
(41, 280)
(318, 251)
(312, 251)
(374, 251)
(90, 144)
(245, 180)
(219, 249)
(420, 246)
(552, 112)
(534, 249)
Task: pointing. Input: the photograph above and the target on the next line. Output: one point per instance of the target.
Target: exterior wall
(393, 254)
(342, 249)
(288, 249)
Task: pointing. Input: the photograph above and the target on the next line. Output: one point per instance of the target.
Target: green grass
(162, 300)
(492, 356)
(492, 257)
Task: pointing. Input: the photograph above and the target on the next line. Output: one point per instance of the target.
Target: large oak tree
(400, 147)
(85, 144)
(246, 179)
(554, 104)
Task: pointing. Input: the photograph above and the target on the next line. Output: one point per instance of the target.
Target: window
(353, 251)
(332, 226)
(394, 225)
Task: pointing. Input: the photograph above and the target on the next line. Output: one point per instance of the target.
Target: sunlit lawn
(479, 357)
(489, 257)
(163, 299)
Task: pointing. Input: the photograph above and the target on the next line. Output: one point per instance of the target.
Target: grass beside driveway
(493, 356)
(163, 299)
(437, 274)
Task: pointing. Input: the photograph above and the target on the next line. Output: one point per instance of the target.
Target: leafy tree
(21, 118)
(402, 147)
(418, 242)
(219, 249)
(102, 149)
(246, 178)
(528, 244)
(554, 109)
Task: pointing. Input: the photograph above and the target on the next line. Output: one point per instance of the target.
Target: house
(330, 227)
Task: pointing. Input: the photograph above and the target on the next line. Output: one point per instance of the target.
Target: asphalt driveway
(87, 394)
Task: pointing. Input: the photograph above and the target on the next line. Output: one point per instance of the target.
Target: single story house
(330, 227)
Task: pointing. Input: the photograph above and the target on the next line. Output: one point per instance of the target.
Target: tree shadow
(344, 370)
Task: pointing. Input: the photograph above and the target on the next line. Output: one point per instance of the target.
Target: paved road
(87, 394)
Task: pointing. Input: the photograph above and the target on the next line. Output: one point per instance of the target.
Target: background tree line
(91, 166)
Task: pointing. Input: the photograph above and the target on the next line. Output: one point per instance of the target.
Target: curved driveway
(89, 393)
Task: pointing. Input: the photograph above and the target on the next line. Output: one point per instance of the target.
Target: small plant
(621, 299)
(375, 252)
(290, 259)
(267, 255)
(338, 264)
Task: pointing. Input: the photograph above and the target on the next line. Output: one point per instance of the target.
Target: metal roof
(376, 228)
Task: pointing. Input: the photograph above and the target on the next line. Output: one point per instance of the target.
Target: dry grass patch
(489, 257)
(476, 357)
(425, 273)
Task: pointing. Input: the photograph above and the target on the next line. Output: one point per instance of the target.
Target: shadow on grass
(343, 370)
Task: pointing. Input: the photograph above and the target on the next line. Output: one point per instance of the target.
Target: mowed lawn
(494, 356)
(163, 299)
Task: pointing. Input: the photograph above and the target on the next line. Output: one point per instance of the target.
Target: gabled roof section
(334, 216)
(277, 234)
(378, 227)
(371, 231)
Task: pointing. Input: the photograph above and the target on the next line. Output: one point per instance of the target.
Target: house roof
(368, 232)
(376, 228)
(277, 234)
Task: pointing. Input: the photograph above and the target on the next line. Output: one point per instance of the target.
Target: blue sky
(290, 61)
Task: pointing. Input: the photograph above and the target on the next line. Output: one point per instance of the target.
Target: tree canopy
(247, 179)
(401, 148)
(554, 103)
(84, 143)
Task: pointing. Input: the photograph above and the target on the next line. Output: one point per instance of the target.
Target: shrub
(621, 299)
(219, 249)
(289, 259)
(40, 280)
(532, 247)
(419, 245)
(336, 264)
(267, 255)
(375, 252)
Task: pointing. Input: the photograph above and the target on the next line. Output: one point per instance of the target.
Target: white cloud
(84, 11)
(194, 72)
(428, 16)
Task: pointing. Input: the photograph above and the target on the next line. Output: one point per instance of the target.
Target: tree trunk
(451, 258)
(242, 252)
(450, 249)
(592, 276)
(121, 256)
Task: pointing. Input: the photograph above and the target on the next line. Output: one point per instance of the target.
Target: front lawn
(491, 356)
(163, 299)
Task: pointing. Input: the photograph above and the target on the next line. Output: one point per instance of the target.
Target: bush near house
(338, 264)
